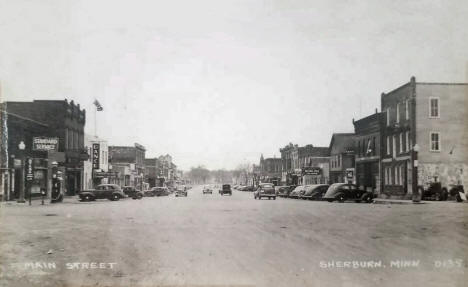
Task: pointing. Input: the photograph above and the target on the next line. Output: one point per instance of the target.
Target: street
(214, 240)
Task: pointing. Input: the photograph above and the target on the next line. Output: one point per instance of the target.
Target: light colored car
(207, 189)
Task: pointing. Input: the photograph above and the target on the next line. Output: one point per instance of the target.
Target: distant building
(367, 147)
(129, 163)
(153, 174)
(270, 170)
(289, 158)
(314, 164)
(342, 157)
(433, 116)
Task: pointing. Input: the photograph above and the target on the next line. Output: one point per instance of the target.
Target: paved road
(211, 240)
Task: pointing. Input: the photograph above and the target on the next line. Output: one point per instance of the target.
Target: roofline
(25, 118)
(445, 84)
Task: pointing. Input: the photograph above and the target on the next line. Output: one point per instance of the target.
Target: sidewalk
(37, 201)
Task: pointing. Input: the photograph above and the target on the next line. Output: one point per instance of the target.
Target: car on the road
(315, 191)
(225, 189)
(284, 190)
(265, 190)
(131, 191)
(102, 191)
(157, 191)
(207, 189)
(297, 192)
(181, 191)
(347, 191)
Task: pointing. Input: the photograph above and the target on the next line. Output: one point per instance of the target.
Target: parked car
(102, 191)
(347, 191)
(131, 191)
(181, 191)
(284, 190)
(225, 189)
(207, 189)
(297, 192)
(265, 190)
(433, 191)
(315, 191)
(457, 191)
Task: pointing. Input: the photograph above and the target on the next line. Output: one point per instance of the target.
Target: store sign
(45, 144)
(350, 173)
(311, 171)
(29, 168)
(96, 154)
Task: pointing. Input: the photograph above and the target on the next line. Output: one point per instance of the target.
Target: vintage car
(181, 191)
(347, 191)
(433, 191)
(315, 191)
(297, 192)
(225, 189)
(131, 191)
(207, 189)
(284, 190)
(102, 191)
(265, 190)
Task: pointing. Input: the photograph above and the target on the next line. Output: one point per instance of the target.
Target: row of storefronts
(414, 141)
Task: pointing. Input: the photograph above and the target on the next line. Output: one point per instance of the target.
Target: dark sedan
(102, 191)
(315, 192)
(347, 191)
(131, 191)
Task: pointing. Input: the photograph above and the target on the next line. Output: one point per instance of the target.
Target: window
(407, 109)
(386, 176)
(435, 141)
(66, 138)
(359, 148)
(388, 116)
(394, 146)
(397, 112)
(407, 141)
(373, 146)
(402, 172)
(401, 143)
(388, 145)
(397, 175)
(433, 107)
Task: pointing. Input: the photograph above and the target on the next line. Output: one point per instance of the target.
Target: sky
(218, 83)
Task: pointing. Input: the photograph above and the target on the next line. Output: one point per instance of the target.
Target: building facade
(342, 158)
(289, 158)
(314, 164)
(128, 162)
(431, 117)
(65, 121)
(367, 152)
(96, 168)
(270, 170)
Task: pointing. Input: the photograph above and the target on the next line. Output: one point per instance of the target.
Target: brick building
(367, 151)
(288, 158)
(341, 156)
(129, 164)
(270, 170)
(433, 116)
(65, 121)
(314, 164)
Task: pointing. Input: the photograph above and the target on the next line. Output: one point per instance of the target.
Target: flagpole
(95, 121)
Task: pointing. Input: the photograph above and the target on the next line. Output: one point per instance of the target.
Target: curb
(386, 201)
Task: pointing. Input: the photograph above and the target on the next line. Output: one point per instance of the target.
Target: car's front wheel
(115, 197)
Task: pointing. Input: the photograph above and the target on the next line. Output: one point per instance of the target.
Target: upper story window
(397, 112)
(388, 116)
(435, 141)
(388, 145)
(407, 109)
(434, 108)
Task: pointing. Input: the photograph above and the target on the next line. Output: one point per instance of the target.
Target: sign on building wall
(96, 154)
(311, 171)
(45, 144)
(29, 169)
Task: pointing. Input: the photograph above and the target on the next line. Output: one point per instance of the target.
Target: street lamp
(21, 147)
(416, 195)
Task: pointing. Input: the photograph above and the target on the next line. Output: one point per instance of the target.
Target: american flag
(98, 106)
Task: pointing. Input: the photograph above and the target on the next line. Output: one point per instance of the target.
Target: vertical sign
(96, 154)
(29, 169)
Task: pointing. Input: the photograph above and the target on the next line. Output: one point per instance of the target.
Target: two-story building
(270, 170)
(66, 122)
(428, 119)
(129, 164)
(367, 152)
(96, 168)
(314, 164)
(342, 157)
(288, 158)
